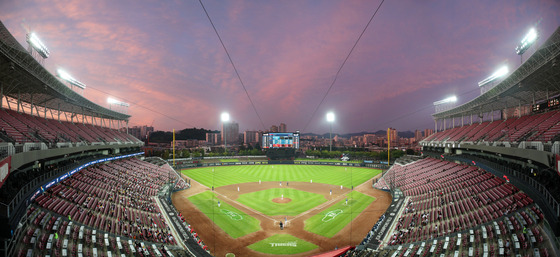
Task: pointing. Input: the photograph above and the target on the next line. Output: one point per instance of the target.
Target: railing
(535, 145)
(7, 209)
(8, 149)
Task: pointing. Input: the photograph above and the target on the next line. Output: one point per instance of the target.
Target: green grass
(326, 160)
(282, 244)
(333, 175)
(262, 201)
(234, 222)
(330, 221)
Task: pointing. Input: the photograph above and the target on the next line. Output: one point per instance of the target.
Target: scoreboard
(549, 104)
(280, 140)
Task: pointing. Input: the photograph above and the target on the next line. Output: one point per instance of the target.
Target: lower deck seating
(107, 208)
(453, 208)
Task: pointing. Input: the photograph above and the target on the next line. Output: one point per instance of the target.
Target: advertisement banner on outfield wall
(5, 166)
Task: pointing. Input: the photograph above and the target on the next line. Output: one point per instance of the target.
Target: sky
(166, 61)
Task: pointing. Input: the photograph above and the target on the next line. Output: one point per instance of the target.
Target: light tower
(122, 107)
(115, 102)
(330, 119)
(40, 48)
(496, 75)
(441, 105)
(444, 105)
(71, 80)
(225, 118)
(526, 42)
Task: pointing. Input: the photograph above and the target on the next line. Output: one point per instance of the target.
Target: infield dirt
(220, 243)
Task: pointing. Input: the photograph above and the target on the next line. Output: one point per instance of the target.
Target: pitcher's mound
(280, 200)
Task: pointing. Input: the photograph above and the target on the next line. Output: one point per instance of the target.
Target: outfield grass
(326, 160)
(282, 244)
(334, 175)
(233, 221)
(262, 201)
(330, 221)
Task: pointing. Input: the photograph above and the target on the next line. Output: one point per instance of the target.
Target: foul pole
(389, 146)
(173, 148)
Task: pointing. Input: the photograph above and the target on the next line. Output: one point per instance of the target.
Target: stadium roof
(537, 79)
(24, 78)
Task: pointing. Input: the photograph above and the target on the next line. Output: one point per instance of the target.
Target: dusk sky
(163, 57)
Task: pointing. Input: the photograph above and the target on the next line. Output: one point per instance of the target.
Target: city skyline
(164, 58)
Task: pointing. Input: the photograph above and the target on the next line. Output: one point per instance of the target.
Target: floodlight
(330, 117)
(111, 100)
(527, 41)
(38, 45)
(65, 76)
(225, 117)
(450, 99)
(499, 73)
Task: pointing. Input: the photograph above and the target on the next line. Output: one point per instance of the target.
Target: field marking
(289, 244)
(331, 215)
(232, 215)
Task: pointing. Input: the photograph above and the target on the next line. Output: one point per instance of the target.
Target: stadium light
(38, 45)
(499, 73)
(450, 99)
(111, 100)
(65, 76)
(225, 118)
(330, 119)
(526, 42)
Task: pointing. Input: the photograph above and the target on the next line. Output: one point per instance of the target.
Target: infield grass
(282, 244)
(330, 221)
(218, 176)
(233, 221)
(262, 201)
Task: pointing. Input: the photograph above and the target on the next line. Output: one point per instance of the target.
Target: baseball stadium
(76, 183)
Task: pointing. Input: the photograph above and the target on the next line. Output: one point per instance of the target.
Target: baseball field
(238, 209)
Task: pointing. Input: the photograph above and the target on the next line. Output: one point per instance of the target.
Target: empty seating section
(101, 208)
(461, 208)
(14, 128)
(487, 130)
(537, 127)
(22, 128)
(547, 129)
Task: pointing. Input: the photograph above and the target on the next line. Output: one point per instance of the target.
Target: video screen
(280, 140)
